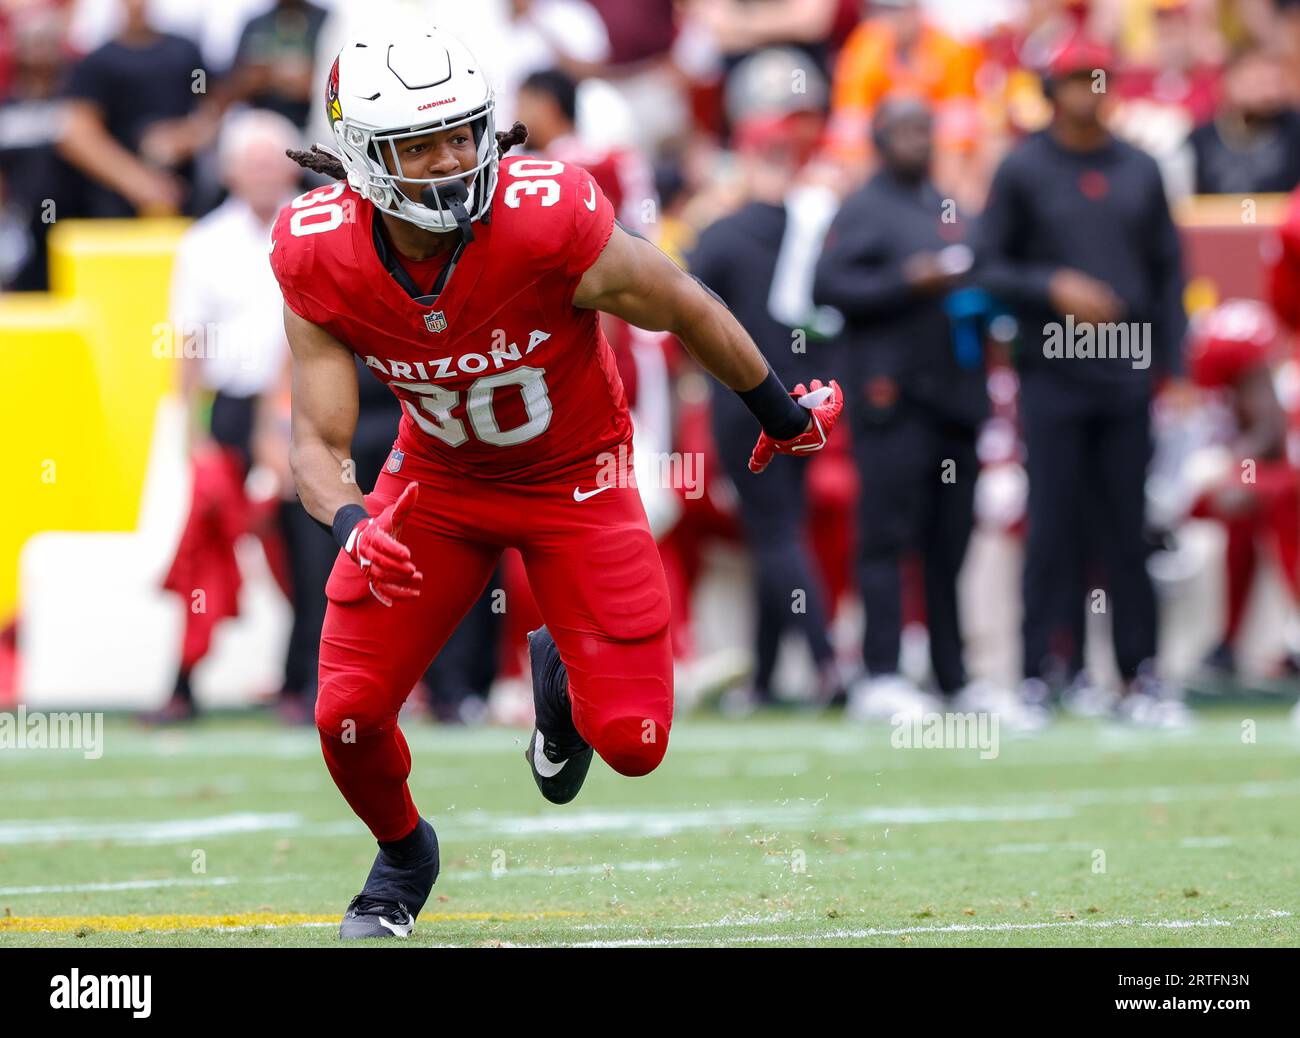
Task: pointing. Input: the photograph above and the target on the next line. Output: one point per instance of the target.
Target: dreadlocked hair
(320, 161)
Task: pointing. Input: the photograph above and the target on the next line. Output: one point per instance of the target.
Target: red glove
(825, 403)
(374, 545)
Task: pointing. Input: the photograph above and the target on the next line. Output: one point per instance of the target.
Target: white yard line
(460, 875)
(171, 830)
(121, 789)
(954, 928)
(146, 884)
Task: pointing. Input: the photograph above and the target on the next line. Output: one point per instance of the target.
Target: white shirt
(522, 49)
(223, 287)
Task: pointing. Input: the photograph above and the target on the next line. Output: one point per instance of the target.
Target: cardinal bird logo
(332, 108)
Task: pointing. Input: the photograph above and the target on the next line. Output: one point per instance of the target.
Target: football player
(1251, 484)
(471, 285)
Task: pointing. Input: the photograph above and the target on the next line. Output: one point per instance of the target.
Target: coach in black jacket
(1078, 239)
(891, 257)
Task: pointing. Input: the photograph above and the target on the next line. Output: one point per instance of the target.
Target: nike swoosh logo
(581, 495)
(544, 765)
(590, 203)
(398, 931)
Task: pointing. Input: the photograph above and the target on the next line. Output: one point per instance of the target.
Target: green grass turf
(783, 829)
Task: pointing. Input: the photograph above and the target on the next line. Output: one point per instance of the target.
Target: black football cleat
(396, 889)
(557, 755)
(367, 916)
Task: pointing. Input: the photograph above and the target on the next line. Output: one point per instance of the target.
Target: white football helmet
(382, 90)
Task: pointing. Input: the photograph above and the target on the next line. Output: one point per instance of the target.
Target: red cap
(1233, 338)
(1080, 54)
(800, 131)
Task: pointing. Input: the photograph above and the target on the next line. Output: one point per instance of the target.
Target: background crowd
(909, 195)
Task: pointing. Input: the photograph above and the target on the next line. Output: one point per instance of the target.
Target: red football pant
(1274, 516)
(596, 574)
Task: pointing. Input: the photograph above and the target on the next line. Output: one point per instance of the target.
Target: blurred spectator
(898, 49)
(776, 82)
(1162, 99)
(135, 120)
(740, 258)
(1177, 77)
(641, 68)
(274, 63)
(892, 263)
(35, 186)
(1077, 229)
(1017, 48)
(1284, 268)
(741, 27)
(548, 106)
(544, 34)
(227, 324)
(1250, 486)
(1253, 142)
(1289, 11)
(213, 27)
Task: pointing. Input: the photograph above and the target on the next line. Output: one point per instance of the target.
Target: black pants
(466, 665)
(311, 554)
(231, 423)
(1088, 450)
(774, 518)
(918, 495)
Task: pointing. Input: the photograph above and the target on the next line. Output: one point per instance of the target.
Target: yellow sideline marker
(134, 923)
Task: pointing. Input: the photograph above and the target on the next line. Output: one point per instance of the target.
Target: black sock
(182, 689)
(412, 847)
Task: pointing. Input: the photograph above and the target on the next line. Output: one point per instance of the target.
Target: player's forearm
(324, 477)
(713, 336)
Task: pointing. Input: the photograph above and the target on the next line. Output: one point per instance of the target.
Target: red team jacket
(501, 377)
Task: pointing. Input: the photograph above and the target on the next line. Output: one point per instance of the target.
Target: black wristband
(345, 521)
(776, 411)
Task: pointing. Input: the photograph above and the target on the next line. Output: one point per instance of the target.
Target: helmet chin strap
(453, 196)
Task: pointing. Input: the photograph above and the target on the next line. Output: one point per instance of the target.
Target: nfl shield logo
(395, 461)
(435, 321)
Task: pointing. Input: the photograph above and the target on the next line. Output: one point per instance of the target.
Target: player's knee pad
(351, 713)
(632, 745)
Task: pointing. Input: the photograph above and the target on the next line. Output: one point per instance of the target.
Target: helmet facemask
(365, 148)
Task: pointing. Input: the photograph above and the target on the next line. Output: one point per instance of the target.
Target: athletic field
(787, 829)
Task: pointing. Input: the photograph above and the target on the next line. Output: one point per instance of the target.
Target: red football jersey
(501, 376)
